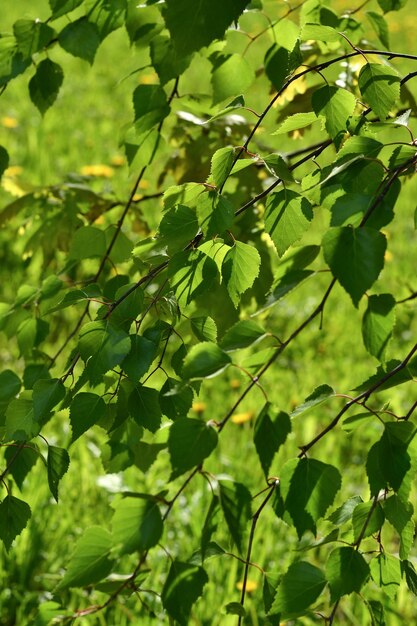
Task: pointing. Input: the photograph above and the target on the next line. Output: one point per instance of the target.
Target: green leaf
(178, 227)
(392, 461)
(296, 122)
(90, 561)
(20, 424)
(107, 15)
(276, 62)
(30, 333)
(319, 32)
(150, 105)
(362, 515)
(231, 76)
(410, 576)
(87, 242)
(400, 516)
(46, 395)
(344, 512)
(143, 23)
(240, 268)
(4, 160)
(60, 7)
(204, 328)
(336, 105)
(380, 87)
(355, 257)
(57, 463)
(242, 335)
(380, 27)
(14, 515)
(12, 62)
(22, 463)
(376, 610)
(308, 488)
(175, 398)
(278, 167)
(80, 38)
(299, 588)
(191, 274)
(235, 608)
(32, 36)
(140, 357)
(190, 442)
(287, 217)
(102, 347)
(319, 395)
(378, 324)
(386, 573)
(205, 360)
(235, 501)
(44, 86)
(9, 385)
(392, 5)
(48, 613)
(194, 24)
(346, 571)
(221, 165)
(215, 213)
(166, 60)
(136, 524)
(271, 431)
(182, 588)
(144, 407)
(86, 410)
(130, 307)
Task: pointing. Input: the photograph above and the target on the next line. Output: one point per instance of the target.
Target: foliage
(218, 261)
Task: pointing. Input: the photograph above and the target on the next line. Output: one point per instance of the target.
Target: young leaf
(14, 515)
(140, 357)
(319, 32)
(308, 488)
(204, 328)
(287, 217)
(319, 395)
(102, 347)
(386, 573)
(400, 516)
(136, 524)
(86, 410)
(231, 76)
(300, 586)
(90, 561)
(221, 164)
(346, 571)
(32, 36)
(271, 431)
(190, 442)
(355, 257)
(215, 213)
(81, 39)
(21, 464)
(150, 105)
(380, 87)
(144, 407)
(240, 268)
(235, 501)
(336, 105)
(58, 463)
(192, 25)
(296, 122)
(378, 324)
(46, 395)
(242, 335)
(182, 588)
(44, 86)
(204, 360)
(362, 516)
(178, 226)
(278, 167)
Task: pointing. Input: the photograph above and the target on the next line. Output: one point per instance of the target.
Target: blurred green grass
(71, 137)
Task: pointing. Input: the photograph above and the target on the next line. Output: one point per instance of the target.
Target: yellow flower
(9, 122)
(241, 418)
(199, 407)
(388, 256)
(251, 585)
(235, 383)
(149, 79)
(118, 160)
(100, 171)
(143, 184)
(13, 171)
